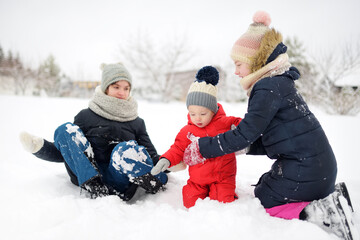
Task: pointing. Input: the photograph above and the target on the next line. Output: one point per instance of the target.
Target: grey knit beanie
(111, 73)
(203, 90)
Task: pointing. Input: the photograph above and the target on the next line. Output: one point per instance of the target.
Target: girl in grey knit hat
(103, 140)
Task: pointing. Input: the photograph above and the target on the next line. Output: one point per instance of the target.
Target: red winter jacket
(213, 169)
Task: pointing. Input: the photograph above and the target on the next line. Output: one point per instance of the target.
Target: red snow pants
(223, 191)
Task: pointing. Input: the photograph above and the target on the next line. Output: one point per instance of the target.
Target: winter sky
(82, 34)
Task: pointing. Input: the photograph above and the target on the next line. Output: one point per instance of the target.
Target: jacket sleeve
(257, 148)
(49, 153)
(143, 139)
(264, 102)
(176, 152)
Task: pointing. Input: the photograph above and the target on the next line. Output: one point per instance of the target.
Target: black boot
(149, 182)
(96, 188)
(342, 189)
(130, 192)
(333, 214)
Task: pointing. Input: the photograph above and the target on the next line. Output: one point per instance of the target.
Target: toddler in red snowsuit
(214, 177)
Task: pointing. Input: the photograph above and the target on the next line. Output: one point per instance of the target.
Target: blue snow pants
(128, 159)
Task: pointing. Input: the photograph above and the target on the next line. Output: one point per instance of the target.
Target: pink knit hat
(248, 44)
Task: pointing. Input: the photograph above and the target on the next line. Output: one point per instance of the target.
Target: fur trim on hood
(269, 42)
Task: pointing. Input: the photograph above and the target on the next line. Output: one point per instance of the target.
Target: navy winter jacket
(104, 134)
(279, 124)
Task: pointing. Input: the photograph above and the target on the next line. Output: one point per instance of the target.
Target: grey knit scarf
(113, 108)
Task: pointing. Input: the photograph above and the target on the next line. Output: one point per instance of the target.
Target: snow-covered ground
(39, 202)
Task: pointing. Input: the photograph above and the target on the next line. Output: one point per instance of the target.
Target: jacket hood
(292, 73)
(218, 114)
(268, 49)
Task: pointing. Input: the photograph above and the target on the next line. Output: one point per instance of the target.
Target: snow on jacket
(213, 169)
(104, 134)
(279, 124)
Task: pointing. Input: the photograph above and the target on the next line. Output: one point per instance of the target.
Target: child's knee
(222, 192)
(192, 192)
(67, 129)
(121, 147)
(69, 134)
(130, 152)
(61, 129)
(130, 159)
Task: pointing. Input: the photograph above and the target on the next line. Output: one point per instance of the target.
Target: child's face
(120, 90)
(200, 116)
(242, 69)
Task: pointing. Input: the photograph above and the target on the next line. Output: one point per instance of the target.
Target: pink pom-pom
(262, 17)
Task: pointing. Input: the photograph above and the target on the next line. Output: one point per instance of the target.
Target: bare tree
(2, 56)
(333, 67)
(18, 77)
(155, 62)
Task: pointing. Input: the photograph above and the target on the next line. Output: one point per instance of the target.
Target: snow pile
(39, 202)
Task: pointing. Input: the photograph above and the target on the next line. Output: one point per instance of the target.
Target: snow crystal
(119, 163)
(131, 143)
(89, 151)
(79, 137)
(139, 156)
(192, 137)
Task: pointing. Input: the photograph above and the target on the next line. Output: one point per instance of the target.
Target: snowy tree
(297, 57)
(48, 78)
(333, 67)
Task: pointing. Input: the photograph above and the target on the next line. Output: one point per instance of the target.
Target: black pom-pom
(208, 74)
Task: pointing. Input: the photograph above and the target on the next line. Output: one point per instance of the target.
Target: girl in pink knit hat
(279, 124)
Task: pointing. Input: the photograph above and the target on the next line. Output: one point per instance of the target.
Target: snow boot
(130, 192)
(137, 195)
(333, 214)
(342, 189)
(150, 183)
(96, 188)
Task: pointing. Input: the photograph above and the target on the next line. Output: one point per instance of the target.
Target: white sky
(82, 34)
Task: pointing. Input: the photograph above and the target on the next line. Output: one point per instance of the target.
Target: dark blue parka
(104, 134)
(279, 124)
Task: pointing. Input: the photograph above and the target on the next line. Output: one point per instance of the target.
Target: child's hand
(242, 151)
(161, 166)
(192, 155)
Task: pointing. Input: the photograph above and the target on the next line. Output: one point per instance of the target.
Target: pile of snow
(39, 202)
